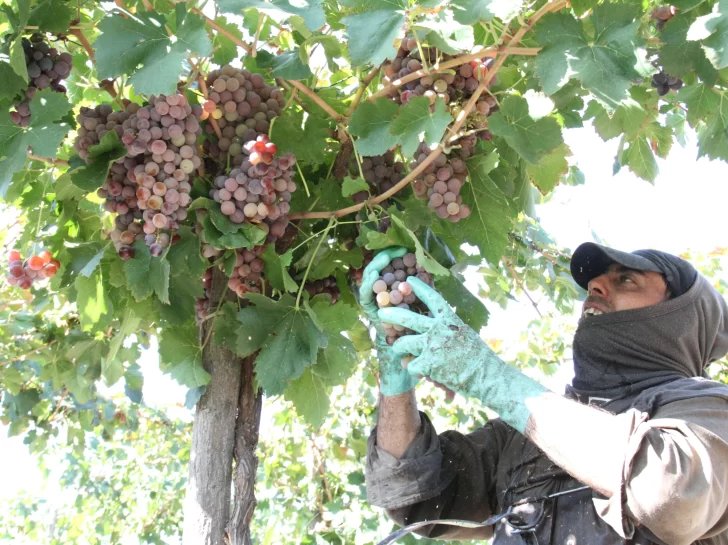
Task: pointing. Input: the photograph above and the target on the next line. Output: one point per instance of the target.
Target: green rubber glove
(393, 378)
(450, 352)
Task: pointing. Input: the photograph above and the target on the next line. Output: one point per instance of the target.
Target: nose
(598, 286)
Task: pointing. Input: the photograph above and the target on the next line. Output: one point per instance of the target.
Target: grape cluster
(149, 188)
(259, 190)
(440, 183)
(453, 88)
(47, 68)
(326, 285)
(23, 273)
(243, 105)
(664, 83)
(381, 172)
(662, 14)
(392, 289)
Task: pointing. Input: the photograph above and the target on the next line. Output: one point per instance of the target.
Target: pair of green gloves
(446, 350)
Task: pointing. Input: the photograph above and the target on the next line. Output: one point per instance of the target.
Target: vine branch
(56, 162)
(317, 99)
(362, 87)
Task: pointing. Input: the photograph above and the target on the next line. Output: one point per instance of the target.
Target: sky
(684, 209)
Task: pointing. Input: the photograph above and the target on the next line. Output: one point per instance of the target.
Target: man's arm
(398, 422)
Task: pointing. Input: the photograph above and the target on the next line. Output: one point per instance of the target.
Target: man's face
(621, 288)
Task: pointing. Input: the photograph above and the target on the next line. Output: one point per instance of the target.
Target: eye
(626, 278)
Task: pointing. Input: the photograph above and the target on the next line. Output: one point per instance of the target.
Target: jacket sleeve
(675, 475)
(451, 475)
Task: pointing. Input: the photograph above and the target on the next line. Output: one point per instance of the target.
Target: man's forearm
(398, 422)
(586, 442)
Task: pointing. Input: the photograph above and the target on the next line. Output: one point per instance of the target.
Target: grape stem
(317, 99)
(503, 54)
(362, 87)
(332, 222)
(57, 162)
(261, 20)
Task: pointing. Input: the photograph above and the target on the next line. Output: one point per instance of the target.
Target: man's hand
(450, 352)
(393, 378)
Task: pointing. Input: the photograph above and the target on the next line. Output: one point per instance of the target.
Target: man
(635, 452)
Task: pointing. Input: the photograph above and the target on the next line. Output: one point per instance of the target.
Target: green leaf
(423, 259)
(713, 137)
(469, 12)
(286, 132)
(371, 123)
(139, 45)
(491, 217)
(640, 159)
(89, 268)
(371, 35)
(353, 185)
(606, 66)
(52, 15)
(100, 158)
(276, 269)
(95, 309)
(129, 325)
(469, 308)
(286, 65)
(328, 260)
(442, 31)
(334, 318)
(712, 30)
(184, 257)
(225, 50)
(292, 345)
(678, 55)
(415, 123)
(17, 59)
(146, 274)
(550, 169)
(311, 11)
(83, 261)
(11, 84)
(180, 355)
(531, 138)
(701, 102)
(310, 396)
(43, 135)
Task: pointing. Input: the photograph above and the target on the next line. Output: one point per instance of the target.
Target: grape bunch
(326, 285)
(259, 190)
(454, 87)
(381, 172)
(393, 290)
(662, 14)
(664, 83)
(440, 183)
(243, 105)
(23, 273)
(149, 188)
(47, 68)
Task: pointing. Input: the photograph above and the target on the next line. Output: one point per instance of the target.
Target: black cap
(591, 260)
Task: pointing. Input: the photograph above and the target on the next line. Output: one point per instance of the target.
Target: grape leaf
(334, 318)
(550, 169)
(415, 123)
(100, 158)
(129, 325)
(606, 66)
(184, 256)
(89, 268)
(139, 45)
(371, 35)
(180, 355)
(353, 185)
(291, 346)
(469, 12)
(11, 84)
(531, 138)
(328, 260)
(640, 159)
(183, 289)
(286, 132)
(224, 49)
(286, 65)
(701, 102)
(712, 30)
(678, 55)
(371, 123)
(17, 58)
(337, 362)
(44, 134)
(95, 309)
(490, 218)
(469, 308)
(442, 31)
(423, 259)
(52, 15)
(310, 396)
(276, 269)
(713, 137)
(311, 11)
(146, 274)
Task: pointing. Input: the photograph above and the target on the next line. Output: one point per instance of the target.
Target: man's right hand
(393, 378)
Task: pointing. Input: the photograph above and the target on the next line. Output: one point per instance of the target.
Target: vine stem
(57, 162)
(317, 99)
(500, 59)
(261, 20)
(332, 221)
(360, 91)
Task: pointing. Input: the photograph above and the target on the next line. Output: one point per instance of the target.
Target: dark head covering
(621, 355)
(591, 260)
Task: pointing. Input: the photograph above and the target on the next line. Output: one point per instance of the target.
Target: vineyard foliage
(273, 146)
